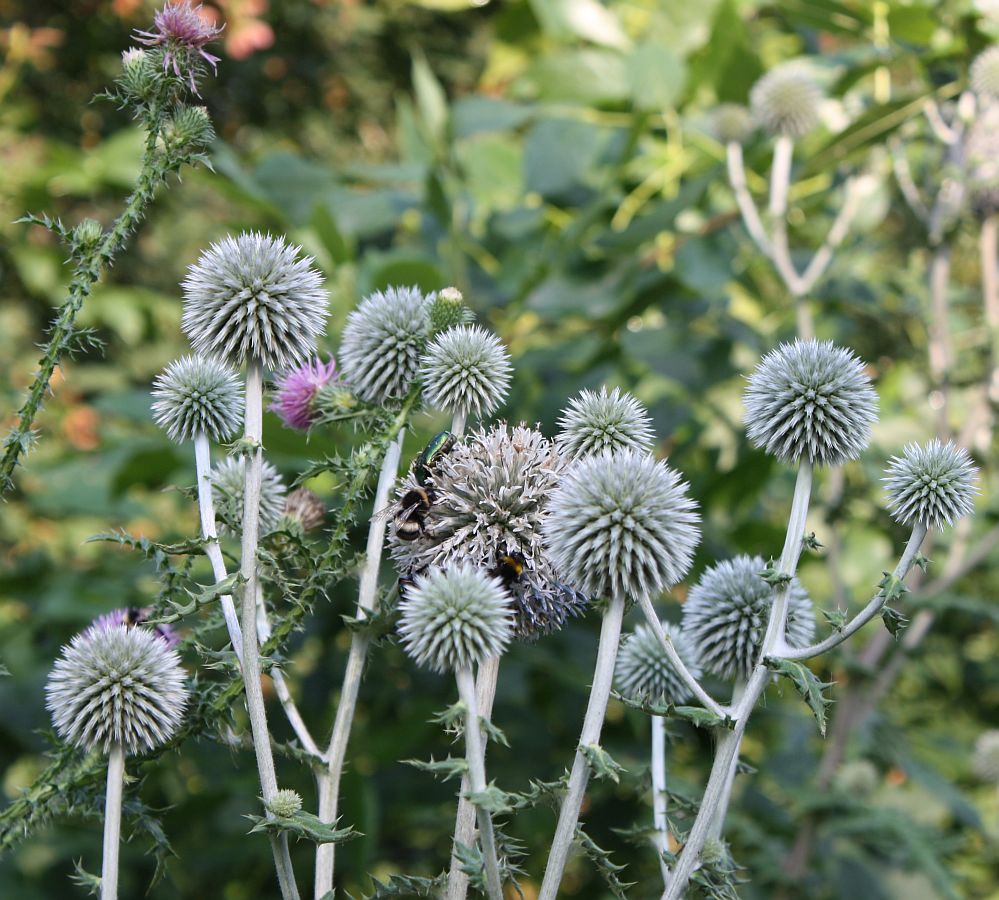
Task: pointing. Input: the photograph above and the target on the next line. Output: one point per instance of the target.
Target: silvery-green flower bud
(731, 123)
(285, 803)
(644, 671)
(138, 74)
(87, 234)
(786, 101)
(592, 423)
(228, 482)
(189, 130)
(447, 309)
(466, 370)
(986, 759)
(858, 778)
(984, 74)
(932, 484)
(195, 395)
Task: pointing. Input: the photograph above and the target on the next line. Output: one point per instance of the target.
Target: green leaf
(607, 868)
(492, 800)
(807, 684)
(404, 886)
(892, 588)
(656, 75)
(199, 599)
(601, 763)
(430, 97)
(836, 618)
(772, 576)
(303, 825)
(894, 621)
(444, 769)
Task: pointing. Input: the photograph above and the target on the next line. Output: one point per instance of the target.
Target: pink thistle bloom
(133, 616)
(181, 29)
(297, 388)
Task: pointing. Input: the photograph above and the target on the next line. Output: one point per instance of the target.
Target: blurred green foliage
(553, 159)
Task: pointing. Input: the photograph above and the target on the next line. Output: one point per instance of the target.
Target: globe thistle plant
(727, 611)
(285, 803)
(227, 490)
(383, 342)
(644, 672)
(490, 494)
(296, 390)
(810, 401)
(116, 685)
(931, 485)
(592, 423)
(198, 395)
(182, 31)
(984, 74)
(466, 370)
(132, 616)
(786, 101)
(985, 761)
(731, 123)
(251, 297)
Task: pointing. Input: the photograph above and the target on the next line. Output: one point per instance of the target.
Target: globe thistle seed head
(981, 161)
(984, 73)
(727, 611)
(182, 31)
(116, 685)
(810, 401)
(621, 525)
(455, 619)
(295, 392)
(227, 492)
(931, 484)
(731, 122)
(859, 778)
(786, 101)
(252, 297)
(285, 803)
(305, 509)
(382, 344)
(645, 673)
(985, 761)
(490, 494)
(447, 309)
(466, 370)
(592, 423)
(132, 616)
(198, 394)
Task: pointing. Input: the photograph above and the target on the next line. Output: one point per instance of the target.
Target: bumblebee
(440, 445)
(410, 520)
(509, 567)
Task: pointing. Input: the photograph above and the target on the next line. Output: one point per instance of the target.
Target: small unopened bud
(448, 309)
(138, 74)
(714, 853)
(87, 233)
(285, 803)
(334, 400)
(304, 509)
(190, 129)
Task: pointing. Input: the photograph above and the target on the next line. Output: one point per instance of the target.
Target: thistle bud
(138, 74)
(447, 309)
(285, 803)
(87, 234)
(189, 130)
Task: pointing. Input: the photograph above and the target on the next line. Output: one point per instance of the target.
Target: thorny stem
(336, 753)
(659, 797)
(251, 652)
(112, 823)
(464, 825)
(596, 707)
(475, 757)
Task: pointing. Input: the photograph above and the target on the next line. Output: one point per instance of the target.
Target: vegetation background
(552, 158)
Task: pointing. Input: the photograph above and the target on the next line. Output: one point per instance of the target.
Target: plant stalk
(112, 823)
(659, 797)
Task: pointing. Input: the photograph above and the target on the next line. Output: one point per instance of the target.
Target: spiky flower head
(198, 395)
(645, 673)
(621, 525)
(87, 234)
(285, 803)
(252, 297)
(454, 619)
(489, 499)
(305, 509)
(447, 309)
(466, 370)
(227, 492)
(981, 160)
(295, 392)
(116, 685)
(984, 73)
(727, 611)
(985, 762)
(382, 343)
(132, 616)
(931, 484)
(859, 778)
(592, 423)
(786, 101)
(188, 130)
(138, 74)
(810, 401)
(731, 123)
(182, 31)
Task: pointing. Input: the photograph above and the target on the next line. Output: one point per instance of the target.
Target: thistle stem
(718, 825)
(596, 707)
(464, 825)
(659, 797)
(476, 759)
(253, 433)
(112, 823)
(743, 199)
(458, 421)
(336, 753)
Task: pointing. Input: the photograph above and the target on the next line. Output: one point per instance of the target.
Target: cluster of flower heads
(931, 485)
(645, 673)
(981, 160)
(984, 74)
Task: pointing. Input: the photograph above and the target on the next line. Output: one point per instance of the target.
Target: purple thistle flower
(134, 616)
(297, 388)
(182, 29)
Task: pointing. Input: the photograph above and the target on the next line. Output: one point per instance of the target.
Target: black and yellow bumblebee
(410, 513)
(509, 568)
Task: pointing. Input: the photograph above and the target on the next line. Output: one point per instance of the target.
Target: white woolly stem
(989, 249)
(336, 753)
(780, 175)
(464, 824)
(659, 798)
(112, 823)
(596, 707)
(837, 233)
(475, 757)
(458, 422)
(253, 433)
(206, 508)
(743, 199)
(718, 824)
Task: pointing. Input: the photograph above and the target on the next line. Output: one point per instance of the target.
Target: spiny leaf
(403, 886)
(451, 719)
(836, 618)
(773, 576)
(892, 588)
(922, 561)
(304, 825)
(493, 732)
(601, 763)
(89, 882)
(807, 684)
(492, 800)
(810, 542)
(894, 621)
(607, 868)
(444, 769)
(696, 715)
(199, 600)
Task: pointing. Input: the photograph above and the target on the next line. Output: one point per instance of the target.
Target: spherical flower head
(227, 492)
(810, 401)
(985, 762)
(592, 423)
(285, 803)
(455, 619)
(984, 74)
(621, 525)
(489, 499)
(731, 123)
(198, 395)
(252, 297)
(132, 616)
(295, 392)
(786, 101)
(466, 370)
(116, 685)
(644, 672)
(182, 31)
(447, 309)
(305, 508)
(859, 778)
(727, 611)
(382, 344)
(931, 484)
